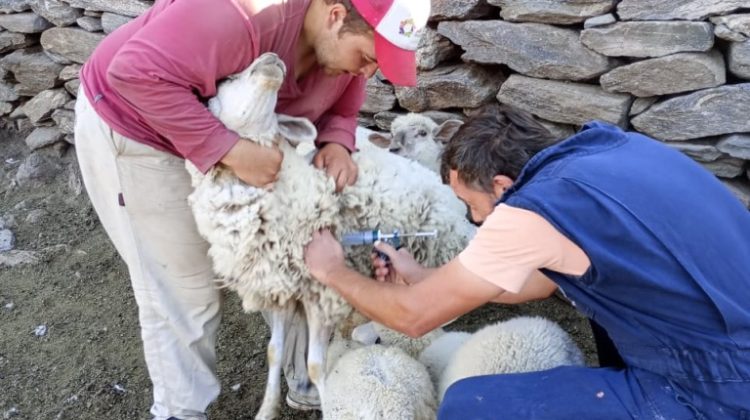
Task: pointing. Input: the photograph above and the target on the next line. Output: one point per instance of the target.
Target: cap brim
(398, 65)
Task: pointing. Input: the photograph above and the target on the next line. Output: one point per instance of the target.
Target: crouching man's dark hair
(499, 140)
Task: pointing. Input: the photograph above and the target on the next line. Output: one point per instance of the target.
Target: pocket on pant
(168, 242)
(150, 188)
(152, 181)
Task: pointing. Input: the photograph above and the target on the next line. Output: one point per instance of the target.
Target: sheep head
(417, 137)
(246, 102)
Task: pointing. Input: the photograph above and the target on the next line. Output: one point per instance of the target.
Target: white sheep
(257, 236)
(376, 383)
(417, 137)
(438, 353)
(522, 344)
(376, 333)
(249, 229)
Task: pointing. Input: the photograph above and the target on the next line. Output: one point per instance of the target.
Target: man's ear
(296, 130)
(382, 140)
(336, 13)
(446, 130)
(500, 184)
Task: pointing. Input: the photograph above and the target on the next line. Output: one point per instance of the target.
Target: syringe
(369, 237)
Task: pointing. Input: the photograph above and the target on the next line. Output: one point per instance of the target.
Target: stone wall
(676, 70)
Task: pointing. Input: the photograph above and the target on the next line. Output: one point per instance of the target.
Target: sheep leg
(319, 337)
(280, 322)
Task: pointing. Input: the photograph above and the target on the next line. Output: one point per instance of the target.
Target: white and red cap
(398, 26)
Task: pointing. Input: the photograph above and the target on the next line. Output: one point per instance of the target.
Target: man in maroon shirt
(140, 113)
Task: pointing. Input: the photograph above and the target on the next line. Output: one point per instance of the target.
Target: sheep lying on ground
(376, 383)
(417, 137)
(438, 353)
(257, 236)
(523, 344)
(375, 333)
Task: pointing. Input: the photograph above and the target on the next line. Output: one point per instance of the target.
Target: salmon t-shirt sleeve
(513, 243)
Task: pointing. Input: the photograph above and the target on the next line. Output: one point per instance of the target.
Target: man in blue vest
(640, 238)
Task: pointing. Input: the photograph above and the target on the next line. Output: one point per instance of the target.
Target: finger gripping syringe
(369, 237)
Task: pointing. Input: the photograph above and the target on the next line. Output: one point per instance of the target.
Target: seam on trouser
(125, 229)
(138, 159)
(151, 291)
(116, 147)
(124, 226)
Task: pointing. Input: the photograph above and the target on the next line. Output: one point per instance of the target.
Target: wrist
(420, 274)
(333, 145)
(230, 157)
(333, 274)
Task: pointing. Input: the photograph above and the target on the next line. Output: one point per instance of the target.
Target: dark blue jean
(572, 392)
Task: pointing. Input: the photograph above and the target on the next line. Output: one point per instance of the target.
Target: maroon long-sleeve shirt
(149, 78)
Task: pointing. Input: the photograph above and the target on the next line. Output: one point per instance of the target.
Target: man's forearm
(386, 303)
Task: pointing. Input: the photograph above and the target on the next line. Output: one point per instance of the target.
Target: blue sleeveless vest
(669, 247)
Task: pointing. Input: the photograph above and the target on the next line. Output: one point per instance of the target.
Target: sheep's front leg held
(280, 321)
(319, 336)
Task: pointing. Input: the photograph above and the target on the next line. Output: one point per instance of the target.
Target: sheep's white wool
(378, 383)
(437, 355)
(373, 332)
(257, 236)
(523, 344)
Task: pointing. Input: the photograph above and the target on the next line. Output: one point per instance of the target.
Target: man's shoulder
(277, 10)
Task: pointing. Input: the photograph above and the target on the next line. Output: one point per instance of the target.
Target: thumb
(386, 249)
(318, 160)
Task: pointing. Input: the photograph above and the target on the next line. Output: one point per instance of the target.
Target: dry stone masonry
(676, 70)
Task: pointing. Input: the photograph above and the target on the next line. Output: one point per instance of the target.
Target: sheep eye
(422, 133)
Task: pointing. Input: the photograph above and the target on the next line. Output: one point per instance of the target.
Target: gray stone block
(562, 102)
(705, 113)
(649, 39)
(532, 49)
(564, 12)
(674, 73)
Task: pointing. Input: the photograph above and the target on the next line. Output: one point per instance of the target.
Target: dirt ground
(88, 363)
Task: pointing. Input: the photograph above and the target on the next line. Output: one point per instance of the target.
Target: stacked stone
(676, 70)
(43, 44)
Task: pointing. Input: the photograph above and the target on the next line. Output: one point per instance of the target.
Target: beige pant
(140, 195)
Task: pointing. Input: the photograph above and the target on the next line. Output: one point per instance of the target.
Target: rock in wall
(676, 70)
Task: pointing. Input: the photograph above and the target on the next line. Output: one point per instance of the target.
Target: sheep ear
(366, 334)
(446, 130)
(296, 130)
(380, 140)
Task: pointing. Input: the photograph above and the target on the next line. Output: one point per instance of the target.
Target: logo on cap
(406, 27)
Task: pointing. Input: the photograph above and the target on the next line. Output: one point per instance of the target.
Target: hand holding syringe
(369, 237)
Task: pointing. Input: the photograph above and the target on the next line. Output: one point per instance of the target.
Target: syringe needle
(416, 234)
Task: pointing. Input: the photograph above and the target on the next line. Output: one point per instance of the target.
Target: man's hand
(402, 269)
(337, 162)
(324, 256)
(254, 164)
